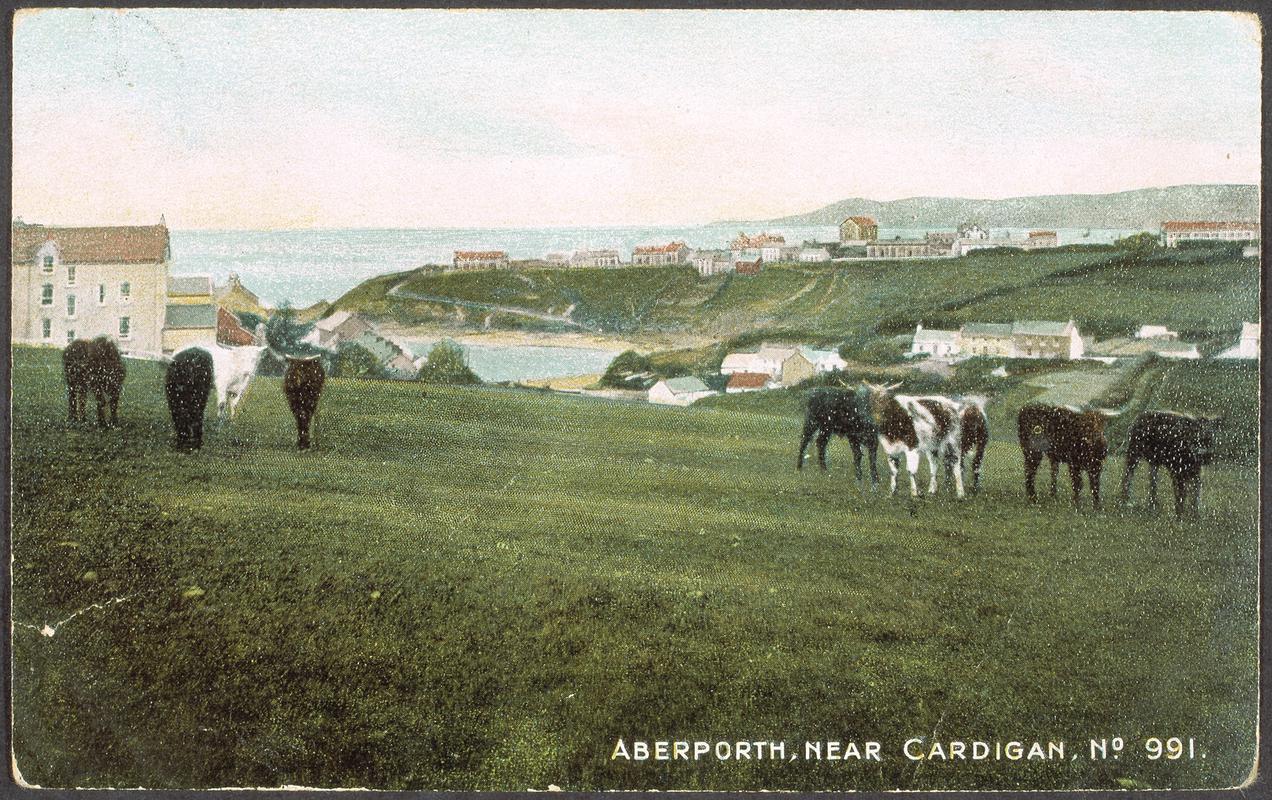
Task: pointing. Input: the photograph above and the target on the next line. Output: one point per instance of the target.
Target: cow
(834, 411)
(302, 383)
(187, 386)
(974, 423)
(233, 368)
(1181, 443)
(93, 366)
(1065, 434)
(911, 426)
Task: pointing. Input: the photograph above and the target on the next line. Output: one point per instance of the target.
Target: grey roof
(686, 385)
(334, 321)
(185, 316)
(1040, 328)
(190, 284)
(987, 329)
(378, 346)
(933, 335)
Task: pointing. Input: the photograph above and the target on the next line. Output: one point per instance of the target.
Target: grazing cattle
(187, 386)
(93, 366)
(841, 412)
(1065, 435)
(974, 423)
(233, 368)
(913, 426)
(302, 383)
(1181, 443)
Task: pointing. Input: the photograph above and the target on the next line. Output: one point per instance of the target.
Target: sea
(301, 267)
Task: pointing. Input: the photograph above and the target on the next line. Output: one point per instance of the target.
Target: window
(70, 274)
(125, 325)
(46, 328)
(48, 265)
(46, 294)
(101, 294)
(125, 291)
(70, 306)
(70, 336)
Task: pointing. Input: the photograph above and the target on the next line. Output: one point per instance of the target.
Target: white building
(78, 283)
(713, 262)
(1174, 232)
(1155, 332)
(824, 360)
(936, 343)
(1248, 345)
(679, 391)
(814, 255)
(660, 254)
(595, 258)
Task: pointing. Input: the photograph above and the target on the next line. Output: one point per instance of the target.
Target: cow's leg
(873, 450)
(1075, 475)
(823, 439)
(1152, 485)
(976, 468)
(1181, 488)
(1033, 459)
(1127, 476)
(101, 409)
(933, 460)
(892, 466)
(114, 409)
(70, 403)
(803, 445)
(856, 460)
(912, 467)
(1196, 496)
(1055, 471)
(1093, 475)
(959, 490)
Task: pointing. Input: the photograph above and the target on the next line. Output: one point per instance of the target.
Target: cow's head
(1207, 431)
(879, 396)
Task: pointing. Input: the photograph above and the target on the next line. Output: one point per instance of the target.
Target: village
(74, 283)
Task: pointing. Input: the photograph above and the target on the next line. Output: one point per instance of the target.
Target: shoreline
(578, 340)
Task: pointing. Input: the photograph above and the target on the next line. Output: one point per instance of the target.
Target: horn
(893, 386)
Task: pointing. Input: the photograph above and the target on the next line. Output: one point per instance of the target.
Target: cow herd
(945, 430)
(95, 366)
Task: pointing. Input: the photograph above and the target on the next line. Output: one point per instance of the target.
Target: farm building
(748, 267)
(1041, 239)
(1247, 345)
(679, 391)
(595, 258)
(480, 259)
(395, 362)
(1038, 339)
(748, 382)
(858, 230)
(1174, 232)
(823, 360)
(189, 325)
(936, 343)
(813, 255)
(660, 254)
(228, 330)
(900, 248)
(77, 283)
(786, 365)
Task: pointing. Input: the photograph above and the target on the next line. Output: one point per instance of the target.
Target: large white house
(1174, 232)
(77, 283)
(936, 343)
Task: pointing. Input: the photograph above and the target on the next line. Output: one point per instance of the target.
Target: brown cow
(93, 366)
(974, 437)
(1064, 434)
(302, 383)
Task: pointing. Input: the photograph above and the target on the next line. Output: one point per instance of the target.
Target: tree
(355, 361)
(284, 332)
(625, 365)
(447, 364)
(1137, 243)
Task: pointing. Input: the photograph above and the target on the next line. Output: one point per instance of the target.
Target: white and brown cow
(911, 426)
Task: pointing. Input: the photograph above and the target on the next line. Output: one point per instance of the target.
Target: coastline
(579, 340)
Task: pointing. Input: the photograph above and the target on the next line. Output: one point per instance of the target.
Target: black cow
(93, 366)
(1065, 435)
(302, 383)
(841, 412)
(1181, 443)
(187, 386)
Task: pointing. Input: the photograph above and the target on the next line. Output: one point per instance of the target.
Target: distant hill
(1139, 208)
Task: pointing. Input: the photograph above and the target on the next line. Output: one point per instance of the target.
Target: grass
(483, 588)
(1203, 293)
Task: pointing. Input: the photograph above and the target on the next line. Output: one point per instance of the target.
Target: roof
(334, 321)
(190, 284)
(686, 385)
(660, 248)
(120, 244)
(1175, 225)
(777, 352)
(933, 335)
(749, 380)
(986, 329)
(1040, 234)
(861, 221)
(378, 346)
(229, 331)
(741, 361)
(1040, 328)
(480, 255)
(817, 356)
(190, 316)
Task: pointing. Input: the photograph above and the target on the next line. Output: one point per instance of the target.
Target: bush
(874, 350)
(355, 361)
(625, 365)
(1138, 243)
(448, 364)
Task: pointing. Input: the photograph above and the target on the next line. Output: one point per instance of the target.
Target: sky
(254, 119)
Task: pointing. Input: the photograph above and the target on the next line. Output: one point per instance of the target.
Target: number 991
(1173, 748)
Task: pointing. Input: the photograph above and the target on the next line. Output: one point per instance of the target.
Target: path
(397, 291)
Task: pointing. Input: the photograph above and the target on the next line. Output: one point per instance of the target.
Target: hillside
(483, 589)
(1139, 208)
(1201, 293)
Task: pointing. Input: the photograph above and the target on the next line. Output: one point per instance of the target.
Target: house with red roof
(1174, 232)
(858, 231)
(660, 254)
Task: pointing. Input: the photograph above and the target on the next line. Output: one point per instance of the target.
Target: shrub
(355, 361)
(625, 365)
(1137, 243)
(447, 363)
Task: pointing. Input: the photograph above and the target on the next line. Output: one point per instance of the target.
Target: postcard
(585, 400)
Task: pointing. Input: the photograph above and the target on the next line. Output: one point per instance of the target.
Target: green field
(1201, 293)
(485, 588)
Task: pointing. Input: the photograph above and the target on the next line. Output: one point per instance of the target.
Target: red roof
(660, 248)
(1039, 234)
(1209, 226)
(748, 380)
(229, 331)
(747, 267)
(480, 255)
(119, 244)
(864, 221)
